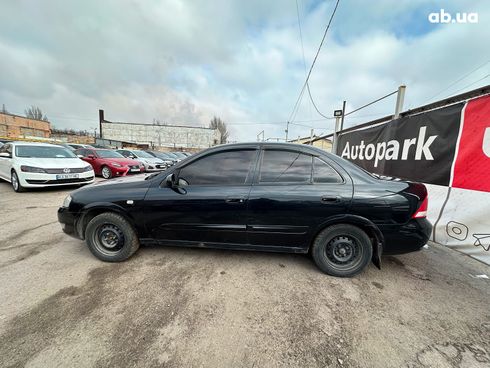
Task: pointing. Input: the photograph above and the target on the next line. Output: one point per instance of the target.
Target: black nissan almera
(256, 196)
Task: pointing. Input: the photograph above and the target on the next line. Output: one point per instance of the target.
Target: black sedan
(257, 196)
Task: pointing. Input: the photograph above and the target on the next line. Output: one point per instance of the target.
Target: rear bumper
(68, 221)
(406, 238)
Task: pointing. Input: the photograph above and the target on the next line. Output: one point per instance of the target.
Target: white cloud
(185, 61)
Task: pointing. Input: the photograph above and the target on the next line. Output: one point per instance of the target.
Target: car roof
(20, 143)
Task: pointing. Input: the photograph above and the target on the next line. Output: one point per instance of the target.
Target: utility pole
(311, 137)
(400, 97)
(287, 131)
(339, 120)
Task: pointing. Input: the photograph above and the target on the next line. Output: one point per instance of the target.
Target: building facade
(15, 126)
(158, 136)
(317, 141)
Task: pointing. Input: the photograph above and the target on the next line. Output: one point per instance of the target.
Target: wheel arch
(89, 212)
(370, 228)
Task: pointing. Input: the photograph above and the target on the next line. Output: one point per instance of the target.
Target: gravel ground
(171, 307)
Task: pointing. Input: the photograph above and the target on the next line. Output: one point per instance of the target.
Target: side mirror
(5, 154)
(171, 181)
(91, 157)
(132, 156)
(80, 156)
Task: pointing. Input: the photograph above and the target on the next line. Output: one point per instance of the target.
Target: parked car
(34, 165)
(150, 162)
(108, 163)
(162, 156)
(78, 146)
(180, 155)
(259, 196)
(1, 144)
(174, 156)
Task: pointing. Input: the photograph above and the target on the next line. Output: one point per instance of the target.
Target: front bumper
(68, 222)
(153, 168)
(38, 180)
(406, 238)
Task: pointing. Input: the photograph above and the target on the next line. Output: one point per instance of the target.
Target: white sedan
(34, 165)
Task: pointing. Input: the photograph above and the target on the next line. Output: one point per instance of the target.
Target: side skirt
(192, 244)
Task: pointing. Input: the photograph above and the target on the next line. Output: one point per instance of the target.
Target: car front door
(209, 204)
(292, 195)
(5, 162)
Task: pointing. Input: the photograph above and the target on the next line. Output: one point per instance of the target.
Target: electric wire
(298, 100)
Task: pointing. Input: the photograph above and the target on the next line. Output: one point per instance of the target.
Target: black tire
(14, 180)
(342, 250)
(111, 238)
(108, 172)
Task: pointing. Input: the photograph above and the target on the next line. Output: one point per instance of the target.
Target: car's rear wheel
(342, 250)
(111, 238)
(16, 185)
(106, 172)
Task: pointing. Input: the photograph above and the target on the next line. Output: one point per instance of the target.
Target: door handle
(233, 200)
(330, 199)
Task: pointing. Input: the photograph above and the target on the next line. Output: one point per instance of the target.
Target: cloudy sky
(183, 62)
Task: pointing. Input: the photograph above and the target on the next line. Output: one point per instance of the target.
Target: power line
(369, 104)
(314, 105)
(468, 85)
(459, 80)
(298, 100)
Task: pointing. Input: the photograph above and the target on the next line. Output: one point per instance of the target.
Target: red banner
(472, 165)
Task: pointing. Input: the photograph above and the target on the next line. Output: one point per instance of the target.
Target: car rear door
(293, 194)
(210, 204)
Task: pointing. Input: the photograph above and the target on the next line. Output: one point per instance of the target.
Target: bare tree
(4, 109)
(35, 112)
(217, 123)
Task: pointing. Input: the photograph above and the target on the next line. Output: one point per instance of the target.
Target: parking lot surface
(171, 307)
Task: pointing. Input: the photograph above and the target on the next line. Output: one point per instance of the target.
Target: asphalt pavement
(171, 307)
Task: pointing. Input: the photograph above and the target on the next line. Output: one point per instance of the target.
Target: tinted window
(285, 167)
(324, 173)
(225, 168)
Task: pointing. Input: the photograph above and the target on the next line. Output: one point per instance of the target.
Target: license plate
(67, 176)
(135, 170)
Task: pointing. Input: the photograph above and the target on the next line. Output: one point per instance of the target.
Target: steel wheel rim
(108, 239)
(15, 181)
(106, 173)
(344, 252)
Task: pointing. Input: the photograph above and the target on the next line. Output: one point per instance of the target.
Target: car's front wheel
(106, 172)
(16, 185)
(111, 238)
(342, 250)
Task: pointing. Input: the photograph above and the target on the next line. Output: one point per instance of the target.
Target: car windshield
(143, 154)
(43, 152)
(108, 154)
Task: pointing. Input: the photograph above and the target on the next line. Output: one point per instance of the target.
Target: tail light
(422, 210)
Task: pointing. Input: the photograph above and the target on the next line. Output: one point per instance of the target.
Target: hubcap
(343, 251)
(108, 239)
(106, 172)
(15, 182)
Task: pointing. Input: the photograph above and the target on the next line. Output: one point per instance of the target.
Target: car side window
(223, 168)
(6, 148)
(324, 173)
(285, 167)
